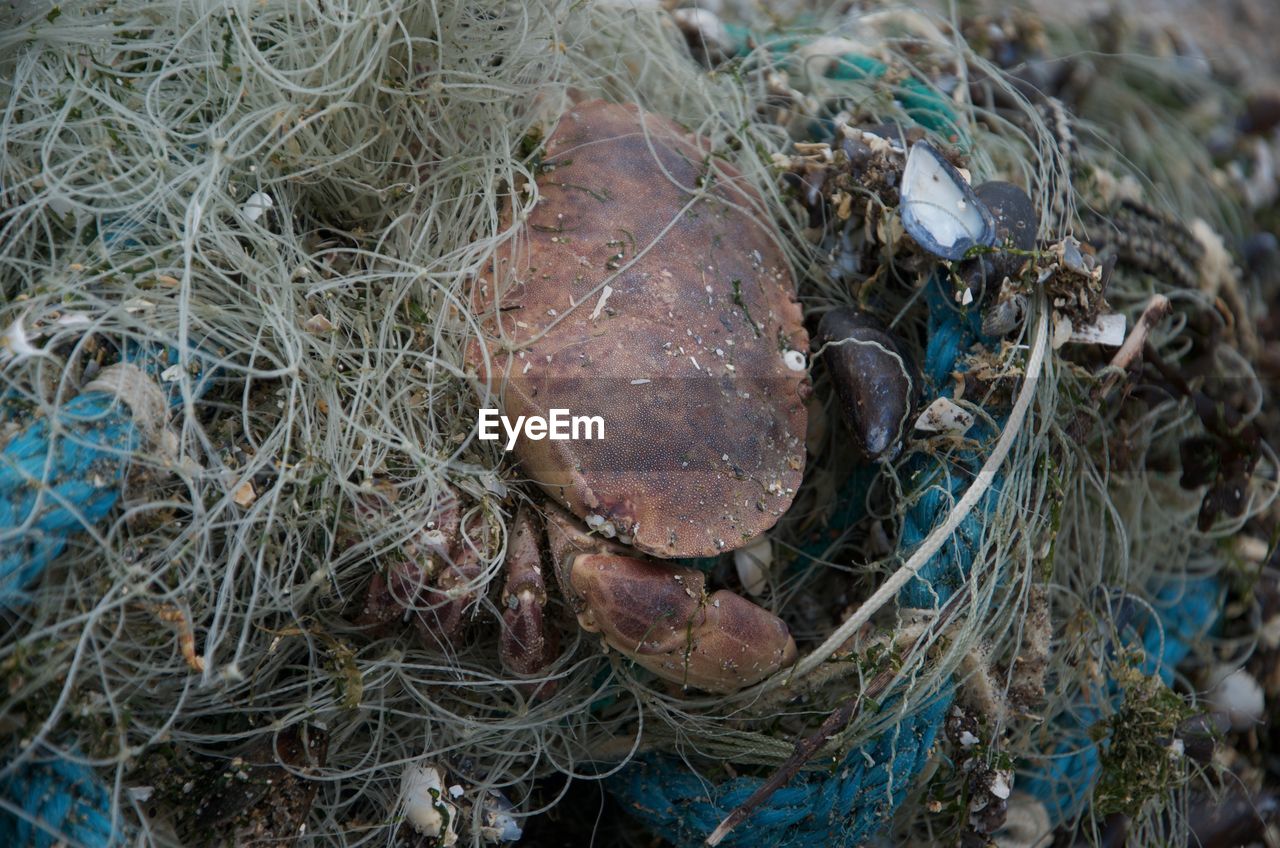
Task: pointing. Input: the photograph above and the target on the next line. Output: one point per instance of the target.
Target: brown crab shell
(682, 355)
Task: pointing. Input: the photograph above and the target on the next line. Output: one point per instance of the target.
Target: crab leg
(528, 645)
(449, 602)
(412, 566)
(662, 617)
(429, 578)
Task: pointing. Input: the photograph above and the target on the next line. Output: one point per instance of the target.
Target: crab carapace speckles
(645, 288)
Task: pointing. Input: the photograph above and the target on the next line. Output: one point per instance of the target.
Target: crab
(643, 288)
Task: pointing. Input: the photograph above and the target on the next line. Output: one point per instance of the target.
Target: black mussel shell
(1015, 214)
(1016, 223)
(877, 382)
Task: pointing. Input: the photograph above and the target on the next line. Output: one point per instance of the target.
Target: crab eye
(876, 381)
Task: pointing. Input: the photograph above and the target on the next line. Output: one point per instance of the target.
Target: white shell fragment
(1073, 258)
(794, 360)
(945, 416)
(752, 564)
(422, 793)
(1027, 824)
(15, 343)
(939, 209)
(258, 203)
(318, 324)
(1237, 695)
(1105, 330)
(1062, 330)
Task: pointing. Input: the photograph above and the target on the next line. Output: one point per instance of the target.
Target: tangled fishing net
(237, 245)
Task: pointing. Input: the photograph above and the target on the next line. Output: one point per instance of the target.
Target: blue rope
(1184, 611)
(59, 477)
(940, 481)
(62, 802)
(845, 807)
(57, 481)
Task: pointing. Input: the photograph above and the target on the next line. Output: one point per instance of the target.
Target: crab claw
(412, 565)
(450, 604)
(431, 578)
(661, 616)
(528, 646)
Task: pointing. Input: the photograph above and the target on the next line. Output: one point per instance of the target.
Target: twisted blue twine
(55, 802)
(844, 807)
(57, 479)
(61, 476)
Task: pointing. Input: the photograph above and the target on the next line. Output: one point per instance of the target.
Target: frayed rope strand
(55, 802)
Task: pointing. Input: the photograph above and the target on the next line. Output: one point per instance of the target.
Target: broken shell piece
(422, 794)
(1061, 330)
(752, 564)
(258, 203)
(318, 324)
(1076, 260)
(499, 823)
(1105, 330)
(876, 381)
(1006, 316)
(877, 142)
(945, 416)
(16, 343)
(939, 209)
(245, 495)
(1237, 695)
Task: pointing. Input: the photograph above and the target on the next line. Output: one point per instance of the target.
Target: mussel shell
(1016, 223)
(938, 208)
(877, 383)
(1014, 213)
